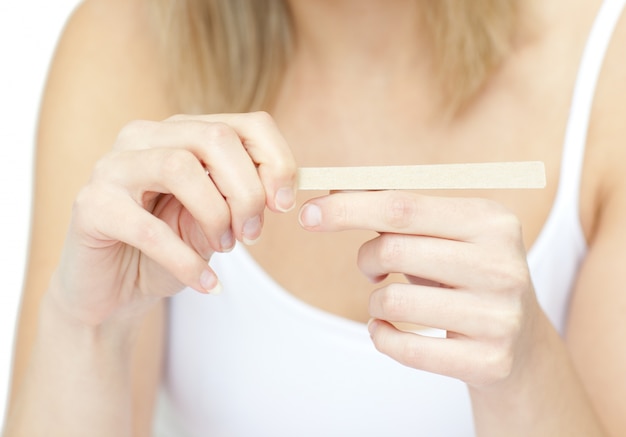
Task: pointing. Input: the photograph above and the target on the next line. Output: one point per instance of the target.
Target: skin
(143, 217)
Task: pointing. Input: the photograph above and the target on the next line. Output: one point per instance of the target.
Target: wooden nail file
(488, 175)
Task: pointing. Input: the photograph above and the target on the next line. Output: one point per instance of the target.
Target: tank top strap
(582, 99)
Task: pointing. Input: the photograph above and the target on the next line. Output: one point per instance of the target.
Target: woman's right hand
(167, 197)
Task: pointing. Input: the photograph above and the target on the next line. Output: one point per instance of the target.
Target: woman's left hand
(466, 265)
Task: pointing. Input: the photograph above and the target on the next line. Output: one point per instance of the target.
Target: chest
(516, 119)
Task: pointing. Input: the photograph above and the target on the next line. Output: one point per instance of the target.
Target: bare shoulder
(108, 59)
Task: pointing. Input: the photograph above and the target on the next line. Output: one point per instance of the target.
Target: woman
(530, 344)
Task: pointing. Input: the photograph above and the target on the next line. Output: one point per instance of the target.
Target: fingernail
(227, 241)
(285, 199)
(217, 289)
(209, 282)
(310, 216)
(252, 230)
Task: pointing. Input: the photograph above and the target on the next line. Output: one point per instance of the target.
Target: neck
(358, 34)
(380, 47)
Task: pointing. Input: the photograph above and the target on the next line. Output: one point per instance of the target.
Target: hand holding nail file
(490, 175)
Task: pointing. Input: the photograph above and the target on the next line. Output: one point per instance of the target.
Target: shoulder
(107, 70)
(111, 25)
(108, 61)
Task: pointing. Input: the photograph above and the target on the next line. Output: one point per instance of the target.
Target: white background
(29, 30)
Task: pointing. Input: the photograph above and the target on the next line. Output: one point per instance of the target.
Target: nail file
(488, 175)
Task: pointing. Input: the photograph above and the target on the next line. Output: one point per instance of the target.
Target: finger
(450, 262)
(146, 173)
(269, 151)
(235, 176)
(460, 358)
(248, 169)
(440, 308)
(129, 223)
(188, 227)
(463, 219)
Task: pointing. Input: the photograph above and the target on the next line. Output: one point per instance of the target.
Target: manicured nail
(209, 282)
(310, 216)
(252, 230)
(217, 289)
(285, 199)
(227, 241)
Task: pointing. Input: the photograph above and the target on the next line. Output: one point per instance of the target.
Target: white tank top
(256, 361)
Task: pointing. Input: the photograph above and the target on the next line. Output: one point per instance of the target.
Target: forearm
(545, 398)
(77, 382)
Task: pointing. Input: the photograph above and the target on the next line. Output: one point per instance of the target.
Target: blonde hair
(469, 40)
(229, 55)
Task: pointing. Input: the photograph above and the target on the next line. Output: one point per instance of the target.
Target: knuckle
(491, 365)
(149, 233)
(411, 354)
(217, 132)
(176, 164)
(499, 363)
(101, 169)
(497, 359)
(177, 117)
(91, 208)
(252, 199)
(131, 131)
(405, 350)
(511, 278)
(391, 248)
(506, 324)
(505, 225)
(83, 204)
(518, 279)
(284, 167)
(261, 118)
(220, 216)
(257, 197)
(106, 168)
(338, 212)
(183, 268)
(380, 343)
(399, 210)
(282, 163)
(392, 302)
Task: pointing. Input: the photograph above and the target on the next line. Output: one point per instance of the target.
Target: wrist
(78, 380)
(543, 394)
(62, 328)
(82, 311)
